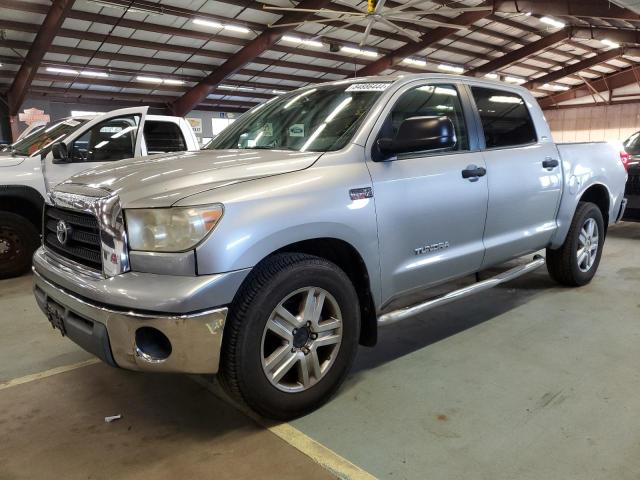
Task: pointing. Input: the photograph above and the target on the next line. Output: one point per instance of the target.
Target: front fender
(265, 215)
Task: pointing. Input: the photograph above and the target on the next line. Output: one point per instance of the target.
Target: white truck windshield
(38, 142)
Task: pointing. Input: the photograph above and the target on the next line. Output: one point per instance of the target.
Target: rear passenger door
(430, 218)
(523, 172)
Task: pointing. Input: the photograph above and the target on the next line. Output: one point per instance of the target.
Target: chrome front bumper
(110, 333)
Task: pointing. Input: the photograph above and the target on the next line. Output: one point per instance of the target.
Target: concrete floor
(527, 381)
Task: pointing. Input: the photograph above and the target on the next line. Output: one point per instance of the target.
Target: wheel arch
(347, 258)
(24, 201)
(599, 195)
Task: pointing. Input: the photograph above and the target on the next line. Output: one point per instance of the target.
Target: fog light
(152, 345)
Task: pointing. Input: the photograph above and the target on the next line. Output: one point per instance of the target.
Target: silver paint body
(276, 198)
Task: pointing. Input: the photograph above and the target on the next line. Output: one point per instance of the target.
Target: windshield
(319, 119)
(42, 139)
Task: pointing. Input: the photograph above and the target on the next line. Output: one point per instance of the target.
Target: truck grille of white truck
(82, 239)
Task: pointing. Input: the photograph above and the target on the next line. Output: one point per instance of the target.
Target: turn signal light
(624, 156)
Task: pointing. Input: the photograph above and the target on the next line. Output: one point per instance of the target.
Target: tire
(563, 264)
(250, 348)
(18, 240)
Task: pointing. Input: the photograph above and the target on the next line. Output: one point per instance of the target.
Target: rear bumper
(126, 337)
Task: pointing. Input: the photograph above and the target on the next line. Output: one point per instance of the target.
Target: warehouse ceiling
(229, 55)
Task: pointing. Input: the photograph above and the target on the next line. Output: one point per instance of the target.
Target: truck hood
(162, 180)
(8, 160)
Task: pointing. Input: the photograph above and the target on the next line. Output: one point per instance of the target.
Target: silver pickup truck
(316, 218)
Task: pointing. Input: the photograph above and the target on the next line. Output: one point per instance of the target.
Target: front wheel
(291, 335)
(576, 261)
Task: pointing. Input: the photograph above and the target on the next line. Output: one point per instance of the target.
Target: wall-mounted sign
(32, 116)
(196, 125)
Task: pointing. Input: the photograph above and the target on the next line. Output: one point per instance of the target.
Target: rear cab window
(163, 137)
(505, 118)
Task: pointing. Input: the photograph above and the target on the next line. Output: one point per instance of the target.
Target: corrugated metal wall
(593, 124)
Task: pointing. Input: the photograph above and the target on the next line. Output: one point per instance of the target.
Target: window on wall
(113, 139)
(505, 118)
(429, 101)
(162, 137)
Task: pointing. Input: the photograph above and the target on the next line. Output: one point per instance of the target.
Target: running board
(404, 313)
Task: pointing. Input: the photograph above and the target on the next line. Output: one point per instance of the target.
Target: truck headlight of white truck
(170, 229)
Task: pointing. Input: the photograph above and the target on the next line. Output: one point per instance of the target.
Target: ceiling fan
(377, 12)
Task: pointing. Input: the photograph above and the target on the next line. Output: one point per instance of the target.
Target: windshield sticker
(368, 87)
(71, 123)
(267, 130)
(296, 130)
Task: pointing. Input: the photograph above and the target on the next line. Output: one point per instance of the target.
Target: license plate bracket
(55, 314)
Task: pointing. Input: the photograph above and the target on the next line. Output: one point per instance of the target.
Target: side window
(505, 118)
(162, 137)
(113, 139)
(429, 101)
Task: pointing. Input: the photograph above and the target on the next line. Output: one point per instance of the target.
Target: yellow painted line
(336, 464)
(47, 373)
(324, 456)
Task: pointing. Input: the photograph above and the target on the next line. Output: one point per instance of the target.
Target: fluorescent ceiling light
(234, 87)
(610, 43)
(212, 24)
(450, 68)
(149, 79)
(492, 76)
(84, 113)
(517, 80)
(94, 74)
(279, 92)
(504, 99)
(302, 41)
(236, 28)
(170, 81)
(62, 70)
(358, 51)
(560, 88)
(207, 23)
(553, 22)
(415, 61)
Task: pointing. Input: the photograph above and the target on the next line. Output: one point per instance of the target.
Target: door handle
(550, 163)
(472, 172)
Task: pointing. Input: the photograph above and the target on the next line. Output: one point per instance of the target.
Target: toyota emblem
(62, 232)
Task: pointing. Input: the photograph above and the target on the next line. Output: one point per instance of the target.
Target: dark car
(632, 191)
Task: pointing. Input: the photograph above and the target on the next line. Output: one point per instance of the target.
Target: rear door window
(505, 118)
(162, 137)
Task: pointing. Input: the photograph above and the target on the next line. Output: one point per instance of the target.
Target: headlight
(170, 229)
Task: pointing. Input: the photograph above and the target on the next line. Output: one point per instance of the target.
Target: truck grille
(83, 240)
(633, 185)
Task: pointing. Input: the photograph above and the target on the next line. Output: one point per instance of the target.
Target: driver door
(430, 219)
(114, 136)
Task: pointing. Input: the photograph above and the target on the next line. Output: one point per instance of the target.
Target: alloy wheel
(301, 339)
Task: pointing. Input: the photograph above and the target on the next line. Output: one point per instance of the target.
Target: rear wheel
(18, 240)
(576, 261)
(291, 335)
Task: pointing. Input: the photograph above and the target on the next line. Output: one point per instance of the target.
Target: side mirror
(60, 153)
(419, 134)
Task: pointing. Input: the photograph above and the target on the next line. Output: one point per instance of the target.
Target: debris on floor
(112, 418)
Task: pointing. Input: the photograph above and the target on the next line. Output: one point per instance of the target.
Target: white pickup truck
(39, 161)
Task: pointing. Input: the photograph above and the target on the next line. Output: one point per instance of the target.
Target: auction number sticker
(368, 87)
